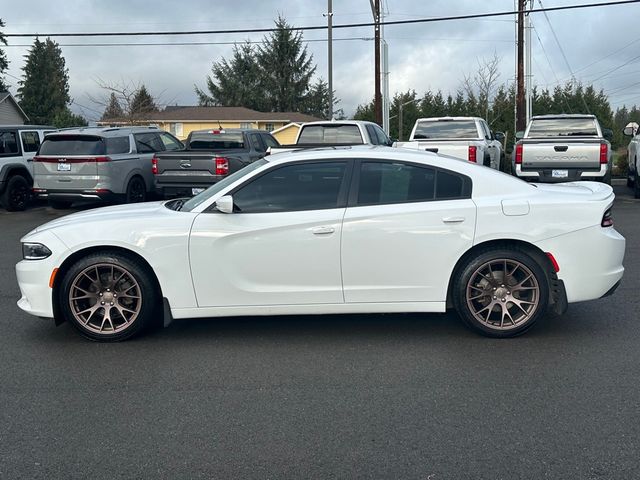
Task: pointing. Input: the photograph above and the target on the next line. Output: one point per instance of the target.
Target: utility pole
(377, 98)
(527, 67)
(520, 100)
(330, 54)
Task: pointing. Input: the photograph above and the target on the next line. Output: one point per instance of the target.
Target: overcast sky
(601, 45)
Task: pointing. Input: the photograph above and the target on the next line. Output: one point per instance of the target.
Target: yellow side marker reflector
(53, 277)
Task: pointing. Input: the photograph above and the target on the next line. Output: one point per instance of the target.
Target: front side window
(383, 138)
(302, 186)
(30, 141)
(256, 143)
(269, 140)
(373, 136)
(170, 143)
(148, 143)
(383, 183)
(8, 143)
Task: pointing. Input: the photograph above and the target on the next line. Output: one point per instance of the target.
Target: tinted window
(256, 143)
(349, 134)
(170, 143)
(307, 186)
(449, 185)
(72, 145)
(386, 182)
(559, 127)
(383, 139)
(8, 143)
(148, 142)
(270, 141)
(215, 141)
(373, 135)
(30, 141)
(446, 129)
(117, 145)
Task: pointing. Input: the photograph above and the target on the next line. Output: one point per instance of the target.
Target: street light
(400, 108)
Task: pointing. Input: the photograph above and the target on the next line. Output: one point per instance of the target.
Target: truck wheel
(636, 187)
(17, 194)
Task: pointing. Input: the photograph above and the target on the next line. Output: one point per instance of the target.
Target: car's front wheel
(501, 292)
(108, 297)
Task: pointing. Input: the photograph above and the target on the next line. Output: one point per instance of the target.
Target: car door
(404, 229)
(281, 246)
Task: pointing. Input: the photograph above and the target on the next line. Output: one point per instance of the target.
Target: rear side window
(72, 145)
(8, 143)
(383, 183)
(117, 145)
(347, 134)
(216, 141)
(30, 141)
(148, 142)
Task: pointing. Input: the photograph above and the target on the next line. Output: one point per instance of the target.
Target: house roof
(240, 114)
(7, 96)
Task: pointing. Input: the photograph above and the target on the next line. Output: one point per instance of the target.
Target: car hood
(96, 215)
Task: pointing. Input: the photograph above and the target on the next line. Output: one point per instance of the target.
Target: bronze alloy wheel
(502, 294)
(105, 299)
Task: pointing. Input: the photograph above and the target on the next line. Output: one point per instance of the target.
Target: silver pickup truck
(562, 148)
(467, 138)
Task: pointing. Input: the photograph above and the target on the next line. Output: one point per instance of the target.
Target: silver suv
(97, 163)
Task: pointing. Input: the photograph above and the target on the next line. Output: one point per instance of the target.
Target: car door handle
(322, 230)
(450, 220)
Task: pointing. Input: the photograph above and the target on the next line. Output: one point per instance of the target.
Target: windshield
(221, 185)
(446, 129)
(561, 127)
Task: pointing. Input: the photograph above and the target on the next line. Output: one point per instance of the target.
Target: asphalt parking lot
(359, 396)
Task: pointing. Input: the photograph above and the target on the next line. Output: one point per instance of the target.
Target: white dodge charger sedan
(336, 230)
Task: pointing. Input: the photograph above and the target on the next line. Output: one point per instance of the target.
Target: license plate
(64, 167)
(559, 173)
(195, 191)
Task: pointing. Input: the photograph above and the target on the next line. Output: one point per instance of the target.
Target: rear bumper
(75, 195)
(573, 174)
(183, 189)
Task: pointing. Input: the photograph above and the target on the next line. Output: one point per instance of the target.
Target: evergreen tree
(142, 103)
(4, 63)
(66, 118)
(113, 109)
(316, 102)
(44, 88)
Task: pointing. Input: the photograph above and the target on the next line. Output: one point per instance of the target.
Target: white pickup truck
(467, 138)
(18, 145)
(336, 133)
(633, 157)
(563, 148)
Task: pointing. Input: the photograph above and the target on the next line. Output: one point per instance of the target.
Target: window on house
(269, 127)
(176, 129)
(245, 125)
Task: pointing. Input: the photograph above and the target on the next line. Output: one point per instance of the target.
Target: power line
(323, 27)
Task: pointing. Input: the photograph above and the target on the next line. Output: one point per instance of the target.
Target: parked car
(467, 138)
(96, 163)
(336, 133)
(208, 157)
(633, 154)
(563, 148)
(337, 230)
(18, 145)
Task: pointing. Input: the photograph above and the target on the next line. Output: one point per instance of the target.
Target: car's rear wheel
(17, 194)
(501, 292)
(136, 191)
(108, 297)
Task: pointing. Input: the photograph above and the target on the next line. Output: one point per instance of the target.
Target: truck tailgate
(453, 149)
(560, 153)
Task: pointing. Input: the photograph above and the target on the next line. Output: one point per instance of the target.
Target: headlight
(34, 251)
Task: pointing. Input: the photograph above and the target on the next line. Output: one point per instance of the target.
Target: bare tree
(484, 83)
(134, 100)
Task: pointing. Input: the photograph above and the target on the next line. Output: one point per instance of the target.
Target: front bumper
(574, 174)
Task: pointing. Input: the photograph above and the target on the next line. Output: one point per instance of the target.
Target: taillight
(154, 165)
(472, 153)
(604, 153)
(518, 154)
(607, 219)
(222, 165)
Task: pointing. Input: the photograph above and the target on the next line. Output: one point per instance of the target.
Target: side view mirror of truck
(607, 133)
(630, 130)
(499, 136)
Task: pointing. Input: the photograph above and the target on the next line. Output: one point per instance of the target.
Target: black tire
(636, 186)
(136, 191)
(59, 204)
(17, 194)
(88, 297)
(476, 297)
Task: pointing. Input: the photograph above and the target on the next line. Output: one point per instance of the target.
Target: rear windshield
(347, 134)
(72, 145)
(446, 129)
(560, 127)
(216, 141)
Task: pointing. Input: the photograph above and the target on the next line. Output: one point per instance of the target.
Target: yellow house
(287, 135)
(181, 121)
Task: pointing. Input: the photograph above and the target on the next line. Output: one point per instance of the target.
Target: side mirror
(519, 135)
(225, 204)
(499, 136)
(629, 131)
(607, 133)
